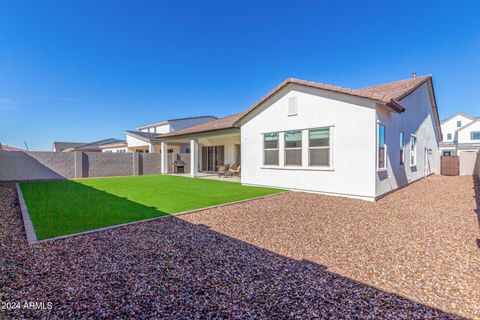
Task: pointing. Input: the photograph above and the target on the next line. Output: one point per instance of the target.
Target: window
(187, 150)
(447, 153)
(382, 148)
(292, 106)
(459, 124)
(293, 148)
(475, 135)
(270, 147)
(449, 136)
(319, 147)
(402, 148)
(413, 150)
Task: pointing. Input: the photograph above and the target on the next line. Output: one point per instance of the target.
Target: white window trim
(265, 149)
(304, 166)
(471, 135)
(318, 148)
(377, 147)
(402, 165)
(285, 149)
(415, 151)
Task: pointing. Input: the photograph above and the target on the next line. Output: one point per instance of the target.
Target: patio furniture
(222, 171)
(178, 166)
(234, 170)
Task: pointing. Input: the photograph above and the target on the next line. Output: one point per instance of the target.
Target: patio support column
(151, 148)
(193, 157)
(164, 158)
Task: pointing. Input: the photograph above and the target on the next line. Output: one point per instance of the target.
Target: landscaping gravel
(413, 254)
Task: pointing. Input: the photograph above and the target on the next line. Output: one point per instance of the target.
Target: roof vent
(414, 73)
(292, 106)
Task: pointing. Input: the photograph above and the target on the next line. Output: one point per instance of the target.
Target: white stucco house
(321, 138)
(461, 133)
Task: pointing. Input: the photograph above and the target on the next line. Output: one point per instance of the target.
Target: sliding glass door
(212, 157)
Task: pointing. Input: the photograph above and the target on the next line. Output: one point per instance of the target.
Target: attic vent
(293, 106)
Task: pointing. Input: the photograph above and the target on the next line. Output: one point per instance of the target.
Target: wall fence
(37, 165)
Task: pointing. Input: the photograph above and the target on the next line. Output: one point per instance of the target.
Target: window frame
(413, 138)
(459, 123)
(384, 168)
(472, 133)
(329, 147)
(402, 149)
(285, 149)
(265, 149)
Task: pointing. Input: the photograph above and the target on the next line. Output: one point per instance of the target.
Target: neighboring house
(4, 147)
(461, 133)
(314, 137)
(82, 146)
(142, 139)
(119, 146)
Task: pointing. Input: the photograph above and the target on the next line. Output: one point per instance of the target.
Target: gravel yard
(413, 254)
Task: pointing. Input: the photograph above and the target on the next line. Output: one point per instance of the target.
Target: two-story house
(461, 133)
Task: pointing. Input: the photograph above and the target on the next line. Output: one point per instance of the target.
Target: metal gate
(450, 166)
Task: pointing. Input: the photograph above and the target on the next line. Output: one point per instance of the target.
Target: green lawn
(70, 206)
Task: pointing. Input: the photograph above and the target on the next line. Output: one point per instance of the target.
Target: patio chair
(222, 171)
(235, 171)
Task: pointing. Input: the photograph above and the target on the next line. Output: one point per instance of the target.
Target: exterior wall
(163, 128)
(477, 165)
(464, 135)
(450, 126)
(418, 119)
(149, 163)
(21, 166)
(107, 164)
(353, 122)
(468, 163)
(133, 142)
(115, 150)
(18, 166)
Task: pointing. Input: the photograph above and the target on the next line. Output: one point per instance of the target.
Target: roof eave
(395, 106)
(188, 134)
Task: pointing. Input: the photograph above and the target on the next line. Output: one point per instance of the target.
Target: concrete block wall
(150, 163)
(23, 166)
(18, 166)
(98, 164)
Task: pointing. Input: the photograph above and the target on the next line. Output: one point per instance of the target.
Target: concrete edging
(154, 218)
(27, 221)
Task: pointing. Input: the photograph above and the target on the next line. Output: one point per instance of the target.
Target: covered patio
(206, 153)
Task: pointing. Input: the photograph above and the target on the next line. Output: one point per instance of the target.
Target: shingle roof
(397, 90)
(59, 146)
(4, 147)
(113, 144)
(89, 146)
(147, 136)
(175, 120)
(219, 124)
(389, 93)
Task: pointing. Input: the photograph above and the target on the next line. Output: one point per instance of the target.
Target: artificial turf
(70, 206)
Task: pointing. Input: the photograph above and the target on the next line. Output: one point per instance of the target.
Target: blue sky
(88, 70)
